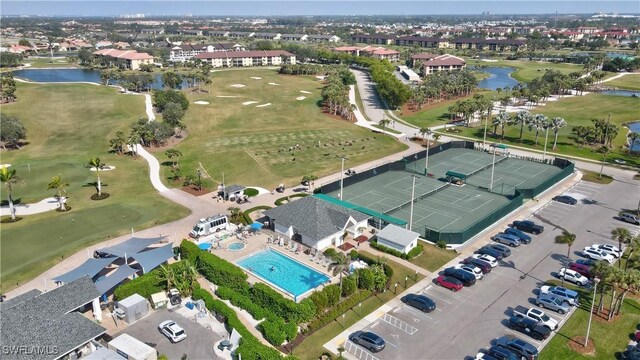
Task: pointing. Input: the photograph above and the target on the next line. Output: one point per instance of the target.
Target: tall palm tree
(538, 122)
(568, 239)
(425, 132)
(340, 264)
(384, 123)
(556, 124)
(502, 119)
(9, 178)
(60, 187)
(634, 244)
(622, 236)
(98, 165)
(522, 118)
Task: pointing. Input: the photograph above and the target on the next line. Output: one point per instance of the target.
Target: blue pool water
(204, 246)
(282, 271)
(236, 246)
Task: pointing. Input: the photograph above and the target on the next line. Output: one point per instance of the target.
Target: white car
(608, 249)
(573, 276)
(173, 331)
(543, 318)
(596, 254)
(472, 270)
(488, 258)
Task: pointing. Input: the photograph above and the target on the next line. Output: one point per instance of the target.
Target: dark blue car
(524, 238)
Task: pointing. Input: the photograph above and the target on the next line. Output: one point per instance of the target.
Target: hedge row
(145, 285)
(410, 255)
(341, 308)
(283, 199)
(370, 261)
(247, 218)
(189, 251)
(221, 272)
(289, 310)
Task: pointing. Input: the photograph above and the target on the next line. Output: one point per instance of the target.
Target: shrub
(415, 252)
(189, 250)
(251, 192)
(280, 201)
(145, 285)
(221, 272)
(342, 307)
(244, 302)
(366, 279)
(162, 97)
(333, 294)
(349, 286)
(320, 300)
(441, 244)
(388, 250)
(245, 214)
(353, 254)
(331, 253)
(272, 332)
(266, 297)
(388, 270)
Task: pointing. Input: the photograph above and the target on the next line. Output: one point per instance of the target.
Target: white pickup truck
(537, 315)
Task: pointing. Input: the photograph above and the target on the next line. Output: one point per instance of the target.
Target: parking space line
(358, 351)
(414, 311)
(528, 339)
(402, 325)
(437, 297)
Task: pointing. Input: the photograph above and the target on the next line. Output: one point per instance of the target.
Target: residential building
(247, 58)
(266, 36)
(379, 39)
(323, 38)
(50, 325)
(19, 49)
(488, 44)
(188, 51)
(293, 37)
(424, 42)
(152, 31)
(370, 51)
(190, 32)
(218, 33)
(430, 63)
(121, 45)
(104, 44)
(397, 238)
(239, 34)
(128, 59)
(315, 222)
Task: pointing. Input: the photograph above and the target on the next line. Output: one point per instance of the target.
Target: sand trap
(263, 105)
(201, 102)
(305, 92)
(104, 168)
(274, 84)
(238, 85)
(227, 96)
(249, 102)
(256, 78)
(320, 77)
(2, 166)
(301, 97)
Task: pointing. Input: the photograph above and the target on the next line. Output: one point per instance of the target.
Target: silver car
(551, 302)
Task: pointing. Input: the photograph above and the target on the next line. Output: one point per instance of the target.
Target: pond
(69, 75)
(621, 93)
(635, 127)
(500, 77)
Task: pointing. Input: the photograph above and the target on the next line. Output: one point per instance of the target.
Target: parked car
(502, 353)
(173, 331)
(528, 226)
(630, 218)
(483, 265)
(466, 278)
(419, 302)
(566, 199)
(484, 356)
(608, 249)
(487, 251)
(537, 315)
(573, 276)
(524, 238)
(631, 354)
(596, 254)
(583, 270)
(506, 239)
(519, 347)
(490, 259)
(368, 340)
(471, 269)
(551, 302)
(506, 252)
(569, 296)
(587, 262)
(530, 327)
(449, 282)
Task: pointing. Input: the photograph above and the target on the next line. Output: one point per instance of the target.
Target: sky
(309, 7)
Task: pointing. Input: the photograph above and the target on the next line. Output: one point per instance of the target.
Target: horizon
(269, 8)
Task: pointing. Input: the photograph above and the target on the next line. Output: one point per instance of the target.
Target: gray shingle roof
(313, 218)
(47, 322)
(398, 235)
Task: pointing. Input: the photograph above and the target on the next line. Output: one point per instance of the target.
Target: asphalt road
(472, 318)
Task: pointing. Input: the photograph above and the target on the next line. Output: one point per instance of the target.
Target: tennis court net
(504, 158)
(420, 197)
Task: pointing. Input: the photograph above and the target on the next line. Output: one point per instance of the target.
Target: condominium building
(247, 58)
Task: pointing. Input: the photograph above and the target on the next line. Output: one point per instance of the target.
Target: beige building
(430, 63)
(128, 59)
(377, 52)
(247, 58)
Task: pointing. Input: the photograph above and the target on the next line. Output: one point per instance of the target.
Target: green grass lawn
(608, 337)
(594, 177)
(528, 70)
(629, 82)
(47, 62)
(246, 142)
(433, 258)
(312, 347)
(66, 126)
(577, 110)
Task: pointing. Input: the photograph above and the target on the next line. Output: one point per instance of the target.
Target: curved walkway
(41, 206)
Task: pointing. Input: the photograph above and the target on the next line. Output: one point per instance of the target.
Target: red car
(581, 269)
(449, 282)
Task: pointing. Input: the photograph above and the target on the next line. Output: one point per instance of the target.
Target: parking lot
(471, 319)
(194, 346)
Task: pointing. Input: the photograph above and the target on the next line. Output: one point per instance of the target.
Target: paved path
(618, 76)
(47, 204)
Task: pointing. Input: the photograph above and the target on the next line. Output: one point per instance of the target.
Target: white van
(630, 218)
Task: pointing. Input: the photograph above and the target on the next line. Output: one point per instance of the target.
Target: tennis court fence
(486, 167)
(421, 197)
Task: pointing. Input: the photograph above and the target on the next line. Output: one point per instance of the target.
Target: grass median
(433, 257)
(626, 82)
(526, 71)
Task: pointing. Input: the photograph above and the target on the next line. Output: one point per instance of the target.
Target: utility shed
(398, 238)
(131, 348)
(134, 308)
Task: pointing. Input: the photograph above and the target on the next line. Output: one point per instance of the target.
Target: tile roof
(313, 218)
(423, 56)
(123, 54)
(47, 322)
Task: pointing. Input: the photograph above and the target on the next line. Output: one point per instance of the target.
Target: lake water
(69, 75)
(635, 127)
(499, 78)
(621, 93)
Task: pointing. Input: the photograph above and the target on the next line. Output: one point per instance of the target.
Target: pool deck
(258, 242)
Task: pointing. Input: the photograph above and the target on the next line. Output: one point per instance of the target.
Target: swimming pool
(282, 271)
(204, 246)
(236, 246)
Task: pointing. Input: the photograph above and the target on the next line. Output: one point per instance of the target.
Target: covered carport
(150, 259)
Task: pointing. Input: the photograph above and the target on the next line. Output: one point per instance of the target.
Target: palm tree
(633, 137)
(557, 123)
(566, 238)
(9, 178)
(98, 165)
(384, 123)
(634, 244)
(340, 264)
(235, 213)
(425, 132)
(522, 118)
(538, 122)
(502, 119)
(59, 186)
(622, 236)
